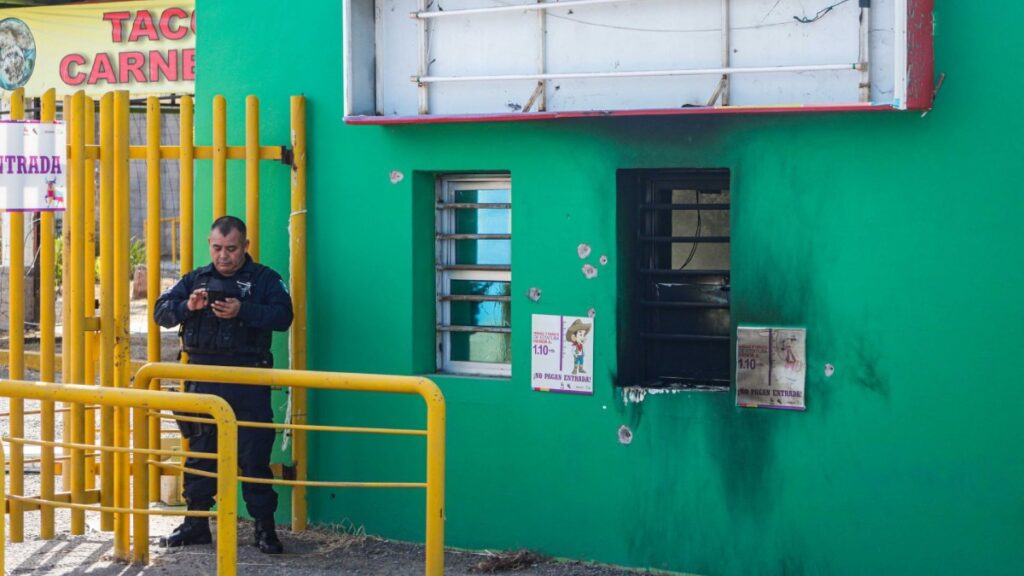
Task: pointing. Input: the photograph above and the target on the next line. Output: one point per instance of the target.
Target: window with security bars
(677, 334)
(474, 274)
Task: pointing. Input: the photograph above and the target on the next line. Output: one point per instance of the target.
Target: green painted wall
(894, 238)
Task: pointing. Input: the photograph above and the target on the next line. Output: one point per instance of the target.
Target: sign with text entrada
(33, 164)
(145, 47)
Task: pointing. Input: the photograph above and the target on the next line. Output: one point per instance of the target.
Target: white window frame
(447, 187)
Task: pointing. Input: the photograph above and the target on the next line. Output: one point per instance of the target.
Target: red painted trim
(696, 110)
(920, 54)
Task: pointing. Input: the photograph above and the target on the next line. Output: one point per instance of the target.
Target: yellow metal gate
(98, 338)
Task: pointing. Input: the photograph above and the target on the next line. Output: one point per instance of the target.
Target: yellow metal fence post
(76, 173)
(47, 341)
(66, 339)
(3, 506)
(187, 182)
(436, 422)
(122, 363)
(220, 157)
(227, 496)
(89, 284)
(16, 317)
(153, 263)
(107, 327)
(252, 174)
(297, 276)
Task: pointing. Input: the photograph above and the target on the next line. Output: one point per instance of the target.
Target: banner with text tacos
(144, 47)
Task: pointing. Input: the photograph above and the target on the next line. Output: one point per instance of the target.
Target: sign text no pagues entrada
(147, 47)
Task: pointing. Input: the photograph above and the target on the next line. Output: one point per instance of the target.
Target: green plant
(136, 255)
(58, 262)
(136, 258)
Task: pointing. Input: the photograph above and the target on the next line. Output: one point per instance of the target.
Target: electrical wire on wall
(696, 233)
(789, 22)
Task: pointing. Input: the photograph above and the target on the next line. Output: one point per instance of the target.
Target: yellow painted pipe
(252, 174)
(47, 341)
(187, 167)
(76, 289)
(153, 256)
(16, 332)
(122, 464)
(220, 164)
(89, 283)
(187, 202)
(148, 376)
(66, 339)
(3, 506)
(107, 303)
(172, 152)
(297, 276)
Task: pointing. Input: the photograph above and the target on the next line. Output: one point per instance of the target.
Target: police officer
(227, 311)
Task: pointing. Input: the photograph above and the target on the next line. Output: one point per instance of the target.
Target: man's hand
(227, 308)
(197, 300)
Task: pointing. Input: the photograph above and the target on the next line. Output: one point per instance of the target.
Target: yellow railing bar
(227, 461)
(276, 482)
(297, 277)
(112, 509)
(308, 427)
(16, 331)
(346, 429)
(47, 338)
(113, 449)
(149, 375)
(34, 360)
(173, 152)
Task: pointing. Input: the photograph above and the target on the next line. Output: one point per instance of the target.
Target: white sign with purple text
(563, 354)
(33, 166)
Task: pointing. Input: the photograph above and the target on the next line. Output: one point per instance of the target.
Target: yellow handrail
(149, 375)
(142, 401)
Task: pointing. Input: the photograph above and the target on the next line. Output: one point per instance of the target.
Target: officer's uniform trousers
(252, 404)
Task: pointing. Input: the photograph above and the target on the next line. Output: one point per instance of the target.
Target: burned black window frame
(676, 328)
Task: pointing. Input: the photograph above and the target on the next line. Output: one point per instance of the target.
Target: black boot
(265, 536)
(194, 530)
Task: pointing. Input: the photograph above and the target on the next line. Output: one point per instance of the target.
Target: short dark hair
(226, 224)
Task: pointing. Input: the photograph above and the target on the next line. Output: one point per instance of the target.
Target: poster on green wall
(563, 354)
(771, 367)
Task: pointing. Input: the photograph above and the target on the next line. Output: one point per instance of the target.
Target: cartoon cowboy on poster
(576, 337)
(563, 354)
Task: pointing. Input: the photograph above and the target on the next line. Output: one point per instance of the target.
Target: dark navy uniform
(240, 341)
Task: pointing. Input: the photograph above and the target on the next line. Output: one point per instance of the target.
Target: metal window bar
(655, 207)
(423, 14)
(474, 267)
